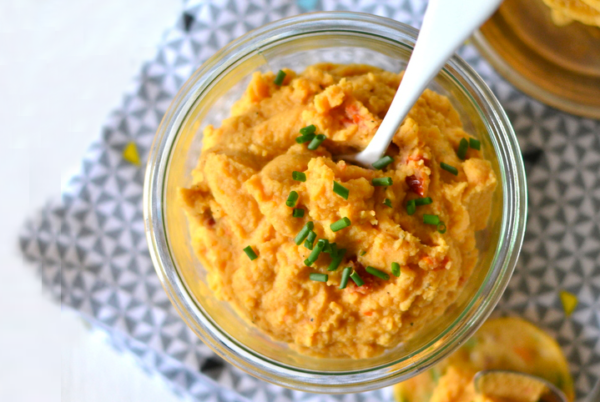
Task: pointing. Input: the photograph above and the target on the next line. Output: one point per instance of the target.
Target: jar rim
(513, 216)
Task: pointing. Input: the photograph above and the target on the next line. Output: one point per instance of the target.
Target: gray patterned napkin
(93, 256)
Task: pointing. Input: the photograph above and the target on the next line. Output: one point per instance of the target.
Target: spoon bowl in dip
(517, 386)
(438, 39)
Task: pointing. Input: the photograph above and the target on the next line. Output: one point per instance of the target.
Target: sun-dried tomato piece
(370, 282)
(416, 185)
(435, 264)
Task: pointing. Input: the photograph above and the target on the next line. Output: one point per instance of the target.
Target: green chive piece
(308, 243)
(341, 224)
(250, 253)
(305, 138)
(431, 219)
(441, 227)
(382, 181)
(340, 190)
(298, 176)
(377, 273)
(411, 207)
(387, 202)
(330, 248)
(363, 253)
(279, 78)
(314, 255)
(337, 260)
(308, 226)
(449, 168)
(345, 276)
(383, 162)
(318, 277)
(298, 213)
(463, 146)
(292, 199)
(308, 130)
(423, 201)
(475, 144)
(357, 279)
(314, 144)
(395, 269)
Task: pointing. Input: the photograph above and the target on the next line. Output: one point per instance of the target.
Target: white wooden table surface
(63, 66)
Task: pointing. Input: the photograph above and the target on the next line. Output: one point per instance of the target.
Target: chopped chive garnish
(463, 145)
(395, 269)
(305, 138)
(314, 144)
(308, 243)
(475, 144)
(431, 219)
(341, 224)
(345, 276)
(340, 190)
(383, 162)
(308, 226)
(298, 176)
(441, 227)
(449, 168)
(363, 253)
(308, 130)
(314, 255)
(387, 202)
(250, 253)
(298, 213)
(327, 248)
(318, 277)
(382, 181)
(377, 273)
(357, 279)
(411, 207)
(337, 260)
(333, 250)
(292, 199)
(279, 78)
(423, 201)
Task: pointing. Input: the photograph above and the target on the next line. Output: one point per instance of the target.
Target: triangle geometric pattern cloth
(93, 257)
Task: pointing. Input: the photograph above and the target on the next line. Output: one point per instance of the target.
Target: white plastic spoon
(447, 24)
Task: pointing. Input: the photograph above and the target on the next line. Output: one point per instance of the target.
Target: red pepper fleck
(210, 222)
(435, 264)
(353, 113)
(418, 158)
(368, 313)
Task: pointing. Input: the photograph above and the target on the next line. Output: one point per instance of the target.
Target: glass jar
(206, 98)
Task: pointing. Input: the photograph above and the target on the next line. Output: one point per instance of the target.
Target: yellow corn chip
(559, 18)
(569, 302)
(593, 3)
(576, 9)
(131, 155)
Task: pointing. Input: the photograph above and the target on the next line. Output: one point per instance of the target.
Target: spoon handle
(446, 25)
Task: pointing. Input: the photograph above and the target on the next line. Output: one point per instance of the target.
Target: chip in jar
(500, 344)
